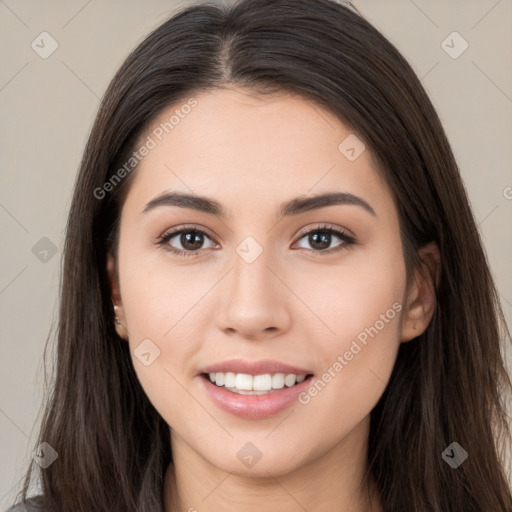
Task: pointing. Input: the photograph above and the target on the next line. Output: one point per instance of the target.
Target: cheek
(160, 296)
(352, 295)
(364, 310)
(162, 304)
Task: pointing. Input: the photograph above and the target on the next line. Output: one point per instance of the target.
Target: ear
(116, 298)
(421, 297)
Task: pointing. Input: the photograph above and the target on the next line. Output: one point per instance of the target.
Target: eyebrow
(292, 207)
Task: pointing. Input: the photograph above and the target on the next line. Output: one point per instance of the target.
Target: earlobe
(120, 329)
(119, 317)
(421, 300)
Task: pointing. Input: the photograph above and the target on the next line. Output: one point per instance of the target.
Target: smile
(253, 403)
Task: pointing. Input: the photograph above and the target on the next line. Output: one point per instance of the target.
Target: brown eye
(185, 241)
(191, 240)
(321, 238)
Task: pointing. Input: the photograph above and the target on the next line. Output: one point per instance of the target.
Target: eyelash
(346, 239)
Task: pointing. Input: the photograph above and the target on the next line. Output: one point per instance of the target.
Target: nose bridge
(253, 302)
(251, 277)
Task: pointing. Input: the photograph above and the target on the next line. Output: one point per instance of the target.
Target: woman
(274, 292)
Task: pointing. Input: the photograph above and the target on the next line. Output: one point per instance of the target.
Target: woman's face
(255, 294)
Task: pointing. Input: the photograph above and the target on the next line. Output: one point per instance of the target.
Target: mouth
(246, 384)
(254, 389)
(254, 397)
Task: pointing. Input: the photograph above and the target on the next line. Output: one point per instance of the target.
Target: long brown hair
(113, 447)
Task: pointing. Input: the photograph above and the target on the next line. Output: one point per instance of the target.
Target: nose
(254, 302)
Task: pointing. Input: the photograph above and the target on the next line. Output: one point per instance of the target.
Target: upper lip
(260, 367)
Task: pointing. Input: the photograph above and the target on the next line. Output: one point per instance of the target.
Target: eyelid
(326, 226)
(185, 227)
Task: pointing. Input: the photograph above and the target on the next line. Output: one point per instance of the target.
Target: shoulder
(34, 504)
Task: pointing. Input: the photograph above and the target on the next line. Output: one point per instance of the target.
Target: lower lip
(254, 407)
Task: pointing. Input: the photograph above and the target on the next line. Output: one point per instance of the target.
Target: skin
(251, 153)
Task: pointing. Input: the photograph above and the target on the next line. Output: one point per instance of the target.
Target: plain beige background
(47, 107)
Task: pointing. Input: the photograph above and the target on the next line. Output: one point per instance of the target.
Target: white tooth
(289, 380)
(229, 380)
(278, 381)
(258, 384)
(262, 382)
(243, 381)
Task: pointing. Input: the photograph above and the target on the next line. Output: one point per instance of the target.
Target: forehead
(249, 150)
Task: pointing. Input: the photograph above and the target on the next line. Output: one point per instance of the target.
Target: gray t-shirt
(31, 505)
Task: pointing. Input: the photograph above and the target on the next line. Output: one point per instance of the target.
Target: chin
(259, 459)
